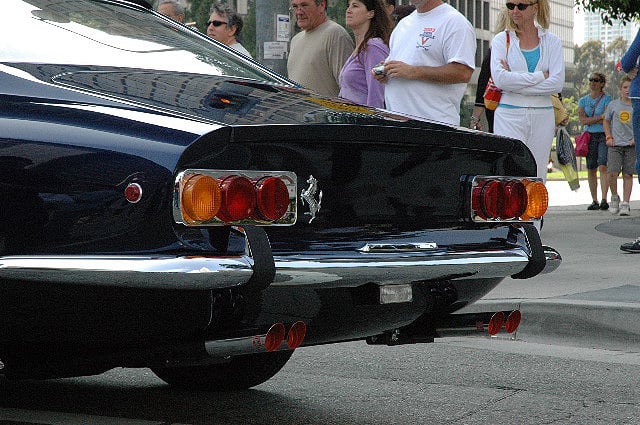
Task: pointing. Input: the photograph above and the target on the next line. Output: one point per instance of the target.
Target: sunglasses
(520, 6)
(216, 23)
(595, 80)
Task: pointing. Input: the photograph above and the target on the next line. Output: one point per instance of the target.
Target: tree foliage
(588, 58)
(624, 10)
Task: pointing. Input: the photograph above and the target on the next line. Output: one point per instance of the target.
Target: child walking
(621, 152)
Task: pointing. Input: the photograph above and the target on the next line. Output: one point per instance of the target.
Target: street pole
(273, 32)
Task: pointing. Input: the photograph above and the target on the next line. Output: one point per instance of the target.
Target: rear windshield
(104, 33)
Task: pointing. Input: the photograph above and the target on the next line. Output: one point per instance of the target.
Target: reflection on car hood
(220, 99)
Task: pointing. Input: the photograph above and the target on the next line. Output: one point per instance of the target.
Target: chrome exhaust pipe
(273, 340)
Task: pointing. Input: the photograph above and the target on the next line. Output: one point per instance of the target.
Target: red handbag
(492, 93)
(582, 143)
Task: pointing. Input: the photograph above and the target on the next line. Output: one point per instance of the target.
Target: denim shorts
(598, 149)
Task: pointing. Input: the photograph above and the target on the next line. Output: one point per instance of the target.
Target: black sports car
(168, 203)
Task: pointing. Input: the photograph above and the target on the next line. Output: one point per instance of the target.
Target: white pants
(534, 126)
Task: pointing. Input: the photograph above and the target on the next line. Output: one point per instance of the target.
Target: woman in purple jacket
(371, 27)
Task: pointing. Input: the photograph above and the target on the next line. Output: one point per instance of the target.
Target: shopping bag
(582, 143)
(567, 157)
(492, 95)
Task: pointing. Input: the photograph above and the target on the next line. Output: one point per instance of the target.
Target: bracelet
(474, 119)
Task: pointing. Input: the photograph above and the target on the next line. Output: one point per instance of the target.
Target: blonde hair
(543, 17)
(501, 23)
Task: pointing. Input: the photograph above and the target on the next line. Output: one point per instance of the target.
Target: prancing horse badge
(308, 196)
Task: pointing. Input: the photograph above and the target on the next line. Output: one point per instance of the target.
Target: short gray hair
(234, 19)
(177, 6)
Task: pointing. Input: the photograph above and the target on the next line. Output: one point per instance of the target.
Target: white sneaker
(614, 205)
(625, 209)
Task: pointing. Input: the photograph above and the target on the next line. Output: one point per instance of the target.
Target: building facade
(594, 29)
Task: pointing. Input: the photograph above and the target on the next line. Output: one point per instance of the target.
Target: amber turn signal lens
(201, 198)
(537, 200)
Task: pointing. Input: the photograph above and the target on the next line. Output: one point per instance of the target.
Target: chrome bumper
(158, 272)
(406, 268)
(357, 268)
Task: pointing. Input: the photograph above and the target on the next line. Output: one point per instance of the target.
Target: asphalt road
(453, 381)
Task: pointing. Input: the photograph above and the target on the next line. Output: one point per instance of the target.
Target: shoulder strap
(596, 105)
(508, 40)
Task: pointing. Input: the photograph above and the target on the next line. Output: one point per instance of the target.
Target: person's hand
(546, 74)
(633, 73)
(565, 122)
(398, 69)
(633, 143)
(610, 141)
(381, 77)
(505, 65)
(475, 125)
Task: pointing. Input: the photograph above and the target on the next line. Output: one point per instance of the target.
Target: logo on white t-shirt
(426, 36)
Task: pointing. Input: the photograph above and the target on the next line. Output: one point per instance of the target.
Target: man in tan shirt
(319, 51)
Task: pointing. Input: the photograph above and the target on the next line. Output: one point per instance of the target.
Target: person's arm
(607, 131)
(629, 60)
(450, 73)
(375, 53)
(538, 83)
(483, 79)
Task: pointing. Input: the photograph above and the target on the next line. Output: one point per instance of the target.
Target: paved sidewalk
(593, 298)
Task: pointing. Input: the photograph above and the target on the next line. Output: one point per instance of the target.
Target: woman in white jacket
(528, 65)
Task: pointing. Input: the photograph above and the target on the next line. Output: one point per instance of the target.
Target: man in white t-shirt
(431, 59)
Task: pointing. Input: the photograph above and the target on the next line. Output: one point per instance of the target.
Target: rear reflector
(390, 294)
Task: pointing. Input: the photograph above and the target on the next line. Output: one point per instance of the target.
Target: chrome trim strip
(157, 272)
(395, 247)
(385, 269)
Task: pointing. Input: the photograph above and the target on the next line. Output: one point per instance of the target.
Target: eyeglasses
(595, 80)
(216, 23)
(520, 6)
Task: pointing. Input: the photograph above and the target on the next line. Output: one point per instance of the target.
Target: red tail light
(219, 197)
(507, 198)
(272, 198)
(515, 199)
(238, 198)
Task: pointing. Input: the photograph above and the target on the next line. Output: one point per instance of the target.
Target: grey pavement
(593, 298)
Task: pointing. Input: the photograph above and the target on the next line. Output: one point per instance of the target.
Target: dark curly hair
(230, 15)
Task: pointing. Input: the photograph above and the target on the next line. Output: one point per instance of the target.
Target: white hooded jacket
(519, 86)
